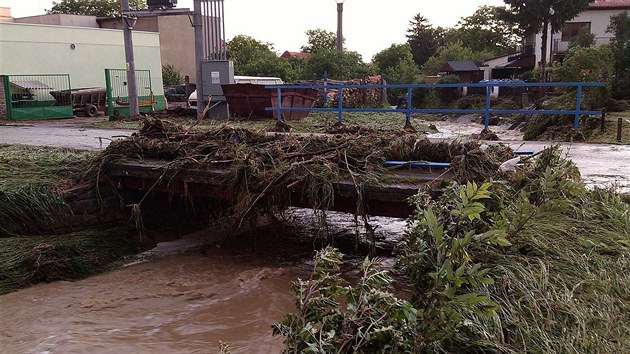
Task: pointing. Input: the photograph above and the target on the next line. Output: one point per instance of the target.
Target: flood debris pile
(535, 264)
(32, 184)
(27, 260)
(263, 168)
(558, 127)
(33, 206)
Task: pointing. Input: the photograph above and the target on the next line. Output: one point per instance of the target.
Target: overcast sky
(369, 26)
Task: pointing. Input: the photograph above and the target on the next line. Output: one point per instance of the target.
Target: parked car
(175, 93)
(256, 80)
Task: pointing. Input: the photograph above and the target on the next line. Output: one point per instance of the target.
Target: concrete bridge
(391, 199)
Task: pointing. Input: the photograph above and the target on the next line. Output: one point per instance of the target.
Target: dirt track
(600, 164)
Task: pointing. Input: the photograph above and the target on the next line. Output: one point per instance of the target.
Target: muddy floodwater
(176, 304)
(181, 297)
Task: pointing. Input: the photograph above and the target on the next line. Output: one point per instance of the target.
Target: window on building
(573, 29)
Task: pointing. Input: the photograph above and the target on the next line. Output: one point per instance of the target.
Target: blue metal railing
(487, 111)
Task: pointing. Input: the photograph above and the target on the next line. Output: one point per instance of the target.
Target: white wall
(599, 19)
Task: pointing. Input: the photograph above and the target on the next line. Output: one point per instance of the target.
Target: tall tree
(620, 46)
(539, 15)
(343, 65)
(423, 39)
(254, 58)
(319, 39)
(488, 29)
(99, 8)
(397, 67)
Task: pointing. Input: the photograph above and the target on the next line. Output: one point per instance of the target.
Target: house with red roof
(295, 55)
(595, 20)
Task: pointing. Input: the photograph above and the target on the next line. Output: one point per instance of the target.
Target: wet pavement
(62, 133)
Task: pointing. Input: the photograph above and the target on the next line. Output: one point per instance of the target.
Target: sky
(369, 26)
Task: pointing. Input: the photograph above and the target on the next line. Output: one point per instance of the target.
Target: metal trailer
(89, 101)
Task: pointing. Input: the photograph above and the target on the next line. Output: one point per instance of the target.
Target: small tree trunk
(543, 62)
(543, 50)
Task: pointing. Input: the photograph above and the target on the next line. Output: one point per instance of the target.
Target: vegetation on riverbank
(531, 263)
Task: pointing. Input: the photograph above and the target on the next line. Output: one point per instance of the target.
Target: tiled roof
(609, 4)
(463, 65)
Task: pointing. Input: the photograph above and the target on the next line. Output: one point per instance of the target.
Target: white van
(256, 80)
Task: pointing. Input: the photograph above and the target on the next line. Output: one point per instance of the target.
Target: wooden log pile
(352, 97)
(360, 97)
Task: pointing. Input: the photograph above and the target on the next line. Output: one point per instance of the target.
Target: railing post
(408, 122)
(486, 119)
(110, 98)
(279, 103)
(7, 95)
(339, 102)
(325, 94)
(578, 104)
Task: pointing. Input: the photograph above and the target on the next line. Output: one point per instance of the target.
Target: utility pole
(197, 24)
(128, 22)
(340, 25)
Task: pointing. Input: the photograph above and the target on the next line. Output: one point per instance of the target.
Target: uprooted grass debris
(32, 199)
(26, 260)
(32, 181)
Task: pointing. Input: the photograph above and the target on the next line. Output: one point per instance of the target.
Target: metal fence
(117, 91)
(487, 111)
(36, 96)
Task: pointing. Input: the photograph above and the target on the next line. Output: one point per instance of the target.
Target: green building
(31, 53)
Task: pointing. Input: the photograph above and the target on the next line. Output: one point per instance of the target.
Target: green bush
(448, 94)
(170, 76)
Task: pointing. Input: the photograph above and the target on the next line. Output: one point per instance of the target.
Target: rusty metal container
(250, 101)
(294, 98)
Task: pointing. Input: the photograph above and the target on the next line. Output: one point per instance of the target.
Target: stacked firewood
(364, 97)
(352, 97)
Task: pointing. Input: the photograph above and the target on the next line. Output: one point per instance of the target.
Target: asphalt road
(60, 136)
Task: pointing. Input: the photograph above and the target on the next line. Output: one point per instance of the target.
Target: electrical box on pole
(214, 69)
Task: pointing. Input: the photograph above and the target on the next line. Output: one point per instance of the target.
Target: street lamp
(339, 24)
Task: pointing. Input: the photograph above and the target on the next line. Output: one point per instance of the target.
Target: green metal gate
(117, 92)
(36, 96)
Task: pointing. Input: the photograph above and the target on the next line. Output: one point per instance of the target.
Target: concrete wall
(177, 40)
(41, 49)
(147, 24)
(60, 20)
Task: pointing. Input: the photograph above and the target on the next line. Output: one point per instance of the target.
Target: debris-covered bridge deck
(366, 172)
(384, 199)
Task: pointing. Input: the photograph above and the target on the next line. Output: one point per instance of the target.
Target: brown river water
(183, 296)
